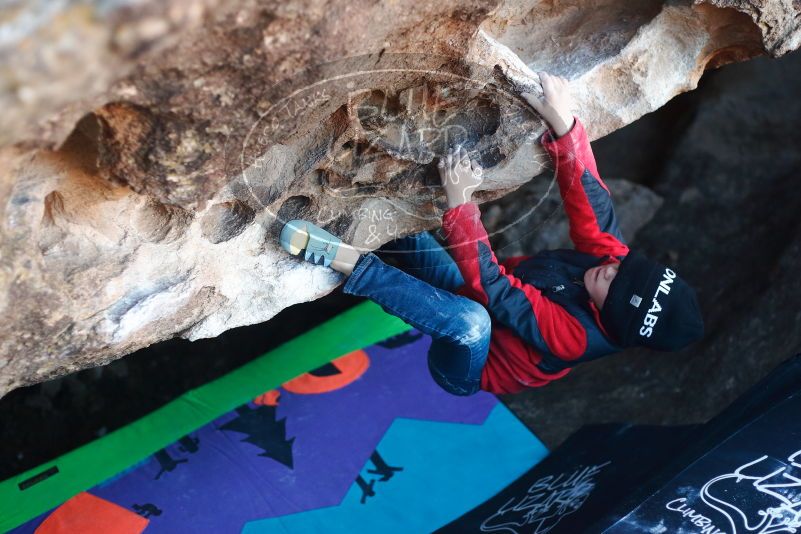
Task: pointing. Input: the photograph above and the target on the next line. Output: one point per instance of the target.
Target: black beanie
(649, 305)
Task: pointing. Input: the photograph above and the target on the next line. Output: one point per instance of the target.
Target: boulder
(147, 207)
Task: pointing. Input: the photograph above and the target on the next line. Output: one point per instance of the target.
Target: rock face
(149, 207)
(57, 54)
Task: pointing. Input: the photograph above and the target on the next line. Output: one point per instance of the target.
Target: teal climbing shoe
(302, 236)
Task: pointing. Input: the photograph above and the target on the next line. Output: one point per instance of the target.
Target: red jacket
(543, 322)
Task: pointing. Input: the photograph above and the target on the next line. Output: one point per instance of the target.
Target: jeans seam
(455, 385)
(362, 264)
(456, 388)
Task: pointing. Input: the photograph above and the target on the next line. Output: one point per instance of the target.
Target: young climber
(503, 326)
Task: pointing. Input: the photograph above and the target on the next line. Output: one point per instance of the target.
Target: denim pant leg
(424, 258)
(459, 327)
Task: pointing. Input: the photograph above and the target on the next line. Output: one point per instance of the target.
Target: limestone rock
(225, 221)
(149, 207)
(57, 54)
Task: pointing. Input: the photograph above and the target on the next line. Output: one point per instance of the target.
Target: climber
(503, 326)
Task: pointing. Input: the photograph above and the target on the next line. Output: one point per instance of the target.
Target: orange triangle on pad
(88, 514)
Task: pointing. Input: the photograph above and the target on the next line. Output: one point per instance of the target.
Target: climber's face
(597, 281)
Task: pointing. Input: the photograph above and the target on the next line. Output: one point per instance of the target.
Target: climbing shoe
(318, 246)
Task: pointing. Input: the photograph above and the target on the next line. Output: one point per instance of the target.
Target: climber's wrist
(456, 203)
(458, 197)
(562, 126)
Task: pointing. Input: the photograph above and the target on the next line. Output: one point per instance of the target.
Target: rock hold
(152, 211)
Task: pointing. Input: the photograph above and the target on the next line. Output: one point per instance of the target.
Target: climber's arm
(515, 304)
(510, 301)
(587, 200)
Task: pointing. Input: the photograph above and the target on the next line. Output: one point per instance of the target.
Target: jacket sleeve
(588, 203)
(515, 304)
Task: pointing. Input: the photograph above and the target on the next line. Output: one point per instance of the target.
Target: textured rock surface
(149, 209)
(57, 54)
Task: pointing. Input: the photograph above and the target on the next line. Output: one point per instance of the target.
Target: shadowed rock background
(708, 182)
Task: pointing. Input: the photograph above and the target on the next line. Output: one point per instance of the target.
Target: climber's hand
(460, 177)
(556, 104)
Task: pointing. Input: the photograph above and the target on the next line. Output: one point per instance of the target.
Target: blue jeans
(458, 326)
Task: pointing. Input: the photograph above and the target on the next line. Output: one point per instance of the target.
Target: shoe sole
(298, 242)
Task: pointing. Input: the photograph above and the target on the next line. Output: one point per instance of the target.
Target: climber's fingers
(533, 100)
(454, 176)
(464, 157)
(454, 155)
(553, 85)
(549, 84)
(478, 170)
(545, 78)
